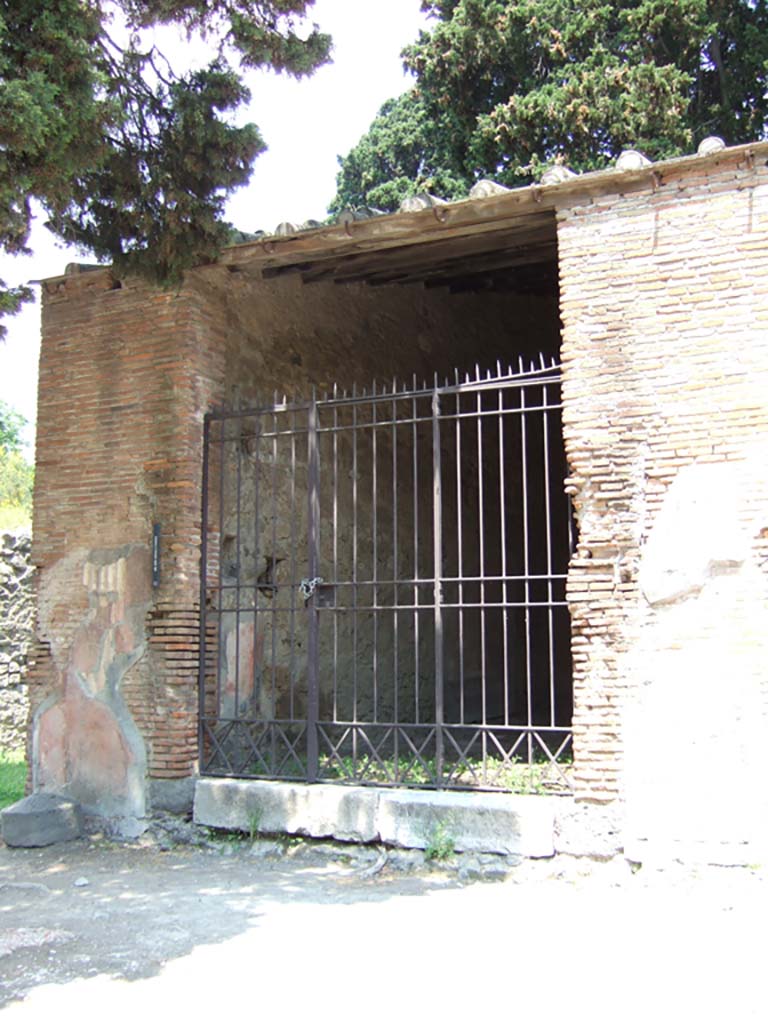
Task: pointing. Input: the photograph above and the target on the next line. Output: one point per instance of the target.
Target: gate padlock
(308, 586)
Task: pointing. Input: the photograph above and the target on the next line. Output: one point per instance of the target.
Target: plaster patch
(87, 744)
(699, 533)
(695, 720)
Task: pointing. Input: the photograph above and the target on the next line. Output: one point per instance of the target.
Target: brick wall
(664, 301)
(127, 374)
(664, 298)
(117, 450)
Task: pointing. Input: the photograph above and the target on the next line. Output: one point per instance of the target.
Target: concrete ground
(96, 930)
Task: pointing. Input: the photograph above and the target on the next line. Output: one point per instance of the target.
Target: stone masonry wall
(16, 616)
(127, 374)
(664, 297)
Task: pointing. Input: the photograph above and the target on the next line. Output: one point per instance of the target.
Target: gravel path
(180, 923)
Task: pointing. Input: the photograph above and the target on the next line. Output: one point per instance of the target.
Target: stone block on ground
(175, 796)
(477, 822)
(41, 820)
(343, 812)
(589, 829)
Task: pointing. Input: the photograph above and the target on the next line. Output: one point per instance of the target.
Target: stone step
(414, 819)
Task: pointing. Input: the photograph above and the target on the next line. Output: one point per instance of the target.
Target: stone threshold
(413, 819)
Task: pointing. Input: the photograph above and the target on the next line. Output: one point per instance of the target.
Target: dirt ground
(97, 929)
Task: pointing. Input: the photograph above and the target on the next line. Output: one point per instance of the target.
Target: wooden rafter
(531, 241)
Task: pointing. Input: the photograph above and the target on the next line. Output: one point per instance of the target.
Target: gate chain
(309, 586)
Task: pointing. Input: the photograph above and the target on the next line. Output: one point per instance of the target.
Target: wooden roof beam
(360, 267)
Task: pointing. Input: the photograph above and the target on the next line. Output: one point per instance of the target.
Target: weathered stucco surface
(85, 742)
(701, 671)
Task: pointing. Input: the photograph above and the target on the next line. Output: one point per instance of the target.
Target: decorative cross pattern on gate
(384, 587)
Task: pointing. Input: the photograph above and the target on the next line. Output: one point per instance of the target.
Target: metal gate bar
(384, 587)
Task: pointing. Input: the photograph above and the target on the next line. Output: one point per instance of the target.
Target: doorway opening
(385, 598)
(384, 570)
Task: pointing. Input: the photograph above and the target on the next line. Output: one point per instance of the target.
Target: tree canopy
(401, 152)
(504, 89)
(130, 158)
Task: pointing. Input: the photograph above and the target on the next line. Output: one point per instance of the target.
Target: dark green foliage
(504, 89)
(399, 156)
(130, 159)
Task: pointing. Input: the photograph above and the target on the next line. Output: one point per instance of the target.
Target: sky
(306, 125)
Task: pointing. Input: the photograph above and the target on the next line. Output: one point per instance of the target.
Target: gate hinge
(308, 586)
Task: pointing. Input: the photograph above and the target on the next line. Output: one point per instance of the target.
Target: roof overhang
(504, 237)
(504, 240)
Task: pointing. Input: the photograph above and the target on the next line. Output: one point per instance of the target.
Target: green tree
(130, 158)
(400, 155)
(506, 88)
(11, 425)
(16, 473)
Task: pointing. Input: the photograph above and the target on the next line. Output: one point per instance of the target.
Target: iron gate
(383, 578)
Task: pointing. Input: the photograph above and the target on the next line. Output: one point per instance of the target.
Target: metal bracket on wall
(156, 555)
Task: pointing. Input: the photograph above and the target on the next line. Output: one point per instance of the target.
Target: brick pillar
(125, 378)
(664, 294)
